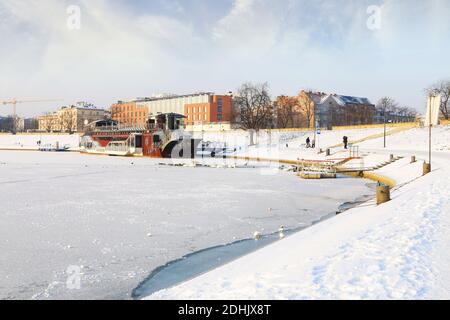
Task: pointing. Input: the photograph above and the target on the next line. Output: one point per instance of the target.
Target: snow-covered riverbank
(399, 250)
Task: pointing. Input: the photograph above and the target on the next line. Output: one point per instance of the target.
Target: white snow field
(290, 145)
(241, 138)
(279, 145)
(398, 250)
(31, 141)
(110, 221)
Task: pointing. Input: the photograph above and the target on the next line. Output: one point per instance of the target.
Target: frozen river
(102, 224)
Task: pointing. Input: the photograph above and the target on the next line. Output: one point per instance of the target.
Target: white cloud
(256, 27)
(251, 27)
(115, 53)
(410, 23)
(122, 51)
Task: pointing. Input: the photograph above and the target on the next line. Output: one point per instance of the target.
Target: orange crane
(14, 103)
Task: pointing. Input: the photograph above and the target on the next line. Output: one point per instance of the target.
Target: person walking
(308, 142)
(345, 142)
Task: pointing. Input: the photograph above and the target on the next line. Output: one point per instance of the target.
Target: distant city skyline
(126, 49)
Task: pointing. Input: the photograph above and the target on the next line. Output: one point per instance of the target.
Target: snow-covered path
(399, 250)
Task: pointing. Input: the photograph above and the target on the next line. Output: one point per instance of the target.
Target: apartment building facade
(9, 124)
(132, 114)
(328, 110)
(199, 109)
(382, 116)
(216, 109)
(71, 119)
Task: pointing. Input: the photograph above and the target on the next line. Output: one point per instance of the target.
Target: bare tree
(254, 107)
(67, 120)
(17, 124)
(411, 113)
(406, 114)
(388, 106)
(285, 109)
(48, 122)
(306, 106)
(442, 88)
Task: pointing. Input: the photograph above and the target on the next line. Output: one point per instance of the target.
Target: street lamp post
(385, 128)
(385, 132)
(316, 128)
(429, 135)
(203, 141)
(433, 103)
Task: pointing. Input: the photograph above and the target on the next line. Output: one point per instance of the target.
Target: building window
(219, 117)
(219, 105)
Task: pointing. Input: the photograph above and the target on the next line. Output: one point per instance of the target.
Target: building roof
(104, 122)
(178, 96)
(344, 100)
(321, 97)
(318, 97)
(168, 97)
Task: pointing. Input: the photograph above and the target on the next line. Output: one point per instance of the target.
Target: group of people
(312, 143)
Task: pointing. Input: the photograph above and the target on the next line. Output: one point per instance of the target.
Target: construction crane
(14, 103)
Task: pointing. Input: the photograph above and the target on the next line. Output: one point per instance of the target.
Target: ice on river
(108, 221)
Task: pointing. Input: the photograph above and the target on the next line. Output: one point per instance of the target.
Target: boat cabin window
(138, 143)
(156, 138)
(170, 121)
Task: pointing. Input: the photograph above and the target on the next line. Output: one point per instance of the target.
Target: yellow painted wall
(375, 126)
(366, 126)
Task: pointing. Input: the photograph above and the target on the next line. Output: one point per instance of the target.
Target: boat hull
(138, 144)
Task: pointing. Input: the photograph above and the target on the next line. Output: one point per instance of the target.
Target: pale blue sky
(135, 48)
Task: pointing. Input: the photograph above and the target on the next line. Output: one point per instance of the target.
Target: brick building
(132, 113)
(198, 108)
(216, 109)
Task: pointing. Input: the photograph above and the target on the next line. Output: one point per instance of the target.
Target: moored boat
(162, 137)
